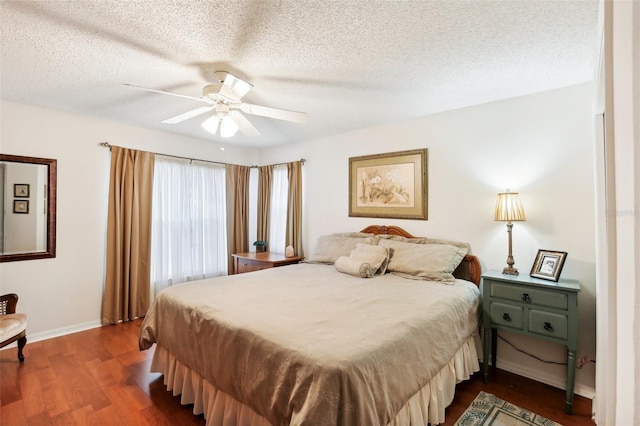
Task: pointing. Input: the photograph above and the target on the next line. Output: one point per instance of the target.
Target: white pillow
(328, 248)
(423, 240)
(434, 262)
(355, 267)
(376, 256)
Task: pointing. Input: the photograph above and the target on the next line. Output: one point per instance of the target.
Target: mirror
(27, 208)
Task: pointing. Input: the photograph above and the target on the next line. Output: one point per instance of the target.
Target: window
(189, 231)
(279, 200)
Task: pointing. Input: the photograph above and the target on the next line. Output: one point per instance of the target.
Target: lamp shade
(228, 127)
(211, 124)
(509, 208)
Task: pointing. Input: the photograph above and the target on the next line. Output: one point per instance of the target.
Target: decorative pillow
(459, 244)
(376, 256)
(421, 240)
(417, 240)
(328, 248)
(434, 262)
(354, 267)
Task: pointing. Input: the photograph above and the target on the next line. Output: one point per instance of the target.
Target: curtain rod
(108, 145)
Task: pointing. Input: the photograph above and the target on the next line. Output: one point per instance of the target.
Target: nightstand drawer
(248, 265)
(533, 296)
(548, 324)
(255, 261)
(507, 315)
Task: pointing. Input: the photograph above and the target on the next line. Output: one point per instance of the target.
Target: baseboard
(543, 377)
(50, 334)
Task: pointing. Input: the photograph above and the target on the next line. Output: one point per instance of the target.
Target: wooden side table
(254, 261)
(537, 308)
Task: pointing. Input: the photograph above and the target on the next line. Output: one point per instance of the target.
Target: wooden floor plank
(9, 385)
(31, 391)
(99, 377)
(55, 400)
(13, 413)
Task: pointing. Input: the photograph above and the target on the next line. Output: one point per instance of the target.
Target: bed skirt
(220, 409)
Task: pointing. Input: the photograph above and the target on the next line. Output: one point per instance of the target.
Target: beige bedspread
(307, 345)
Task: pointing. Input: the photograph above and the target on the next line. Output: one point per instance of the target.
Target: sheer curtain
(265, 183)
(189, 231)
(279, 200)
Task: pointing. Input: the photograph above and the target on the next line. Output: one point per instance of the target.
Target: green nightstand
(537, 308)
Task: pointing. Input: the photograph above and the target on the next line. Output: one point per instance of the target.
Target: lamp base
(508, 270)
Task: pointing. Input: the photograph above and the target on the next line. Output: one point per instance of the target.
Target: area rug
(488, 409)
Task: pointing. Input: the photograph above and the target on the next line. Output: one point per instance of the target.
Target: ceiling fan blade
(233, 88)
(244, 124)
(187, 115)
(162, 92)
(280, 114)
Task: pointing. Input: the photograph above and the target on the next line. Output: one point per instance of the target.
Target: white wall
(64, 293)
(539, 145)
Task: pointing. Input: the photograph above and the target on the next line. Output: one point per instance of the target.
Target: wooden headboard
(469, 269)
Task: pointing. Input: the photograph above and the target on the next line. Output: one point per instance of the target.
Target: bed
(315, 343)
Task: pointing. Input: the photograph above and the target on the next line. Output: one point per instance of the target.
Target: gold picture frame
(548, 265)
(391, 185)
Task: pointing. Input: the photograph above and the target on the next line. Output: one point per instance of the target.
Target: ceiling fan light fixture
(228, 127)
(211, 124)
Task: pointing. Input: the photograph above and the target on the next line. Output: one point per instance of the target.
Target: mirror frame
(52, 179)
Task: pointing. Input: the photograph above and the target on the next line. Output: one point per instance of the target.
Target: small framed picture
(21, 206)
(21, 190)
(548, 264)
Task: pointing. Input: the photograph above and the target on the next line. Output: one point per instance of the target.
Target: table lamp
(509, 209)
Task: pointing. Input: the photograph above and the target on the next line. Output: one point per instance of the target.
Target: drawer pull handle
(506, 317)
(548, 326)
(526, 298)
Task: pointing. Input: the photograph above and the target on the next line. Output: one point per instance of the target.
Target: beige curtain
(294, 207)
(127, 283)
(237, 183)
(265, 182)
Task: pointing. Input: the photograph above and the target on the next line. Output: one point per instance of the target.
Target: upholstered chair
(13, 326)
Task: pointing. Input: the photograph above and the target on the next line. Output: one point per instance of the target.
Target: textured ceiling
(348, 64)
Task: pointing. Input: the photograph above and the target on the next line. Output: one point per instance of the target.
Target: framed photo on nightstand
(548, 265)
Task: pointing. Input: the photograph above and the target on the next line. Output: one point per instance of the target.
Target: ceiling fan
(223, 98)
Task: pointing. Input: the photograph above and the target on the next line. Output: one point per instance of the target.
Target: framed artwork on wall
(21, 190)
(391, 185)
(21, 206)
(548, 264)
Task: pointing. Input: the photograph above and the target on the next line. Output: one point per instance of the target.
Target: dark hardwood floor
(99, 377)
(540, 398)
